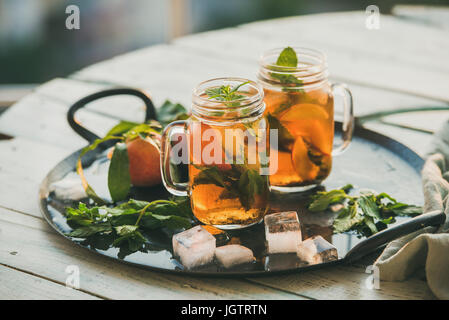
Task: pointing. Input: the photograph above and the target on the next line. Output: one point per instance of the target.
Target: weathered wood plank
(16, 285)
(42, 248)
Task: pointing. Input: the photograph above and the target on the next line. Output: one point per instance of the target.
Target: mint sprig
(365, 214)
(226, 93)
(287, 59)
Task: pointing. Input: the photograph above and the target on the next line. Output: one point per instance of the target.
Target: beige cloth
(426, 249)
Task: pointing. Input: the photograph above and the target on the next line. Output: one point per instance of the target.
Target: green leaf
(143, 130)
(383, 195)
(87, 231)
(286, 139)
(119, 179)
(402, 209)
(134, 240)
(322, 200)
(121, 127)
(126, 229)
(97, 142)
(169, 112)
(347, 219)
(210, 175)
(172, 222)
(133, 204)
(82, 216)
(287, 58)
(287, 79)
(226, 93)
(369, 222)
(184, 206)
(250, 184)
(369, 207)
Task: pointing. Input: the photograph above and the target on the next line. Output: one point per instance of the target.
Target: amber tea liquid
(305, 120)
(226, 194)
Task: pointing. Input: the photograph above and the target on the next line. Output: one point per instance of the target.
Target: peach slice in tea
(317, 133)
(320, 97)
(304, 167)
(304, 111)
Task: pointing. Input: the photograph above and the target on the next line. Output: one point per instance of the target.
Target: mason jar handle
(175, 188)
(150, 110)
(348, 116)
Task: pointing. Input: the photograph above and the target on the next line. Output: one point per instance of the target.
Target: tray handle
(150, 112)
(381, 238)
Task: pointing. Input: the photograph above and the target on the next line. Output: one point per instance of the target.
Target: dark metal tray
(373, 161)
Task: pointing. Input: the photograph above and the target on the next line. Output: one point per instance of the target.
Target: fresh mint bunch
(365, 214)
(126, 223)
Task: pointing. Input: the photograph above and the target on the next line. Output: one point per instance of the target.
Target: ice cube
(282, 232)
(317, 250)
(233, 254)
(195, 247)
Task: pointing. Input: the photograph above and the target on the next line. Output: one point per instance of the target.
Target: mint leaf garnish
(226, 93)
(287, 58)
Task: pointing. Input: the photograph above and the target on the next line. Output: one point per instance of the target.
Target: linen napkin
(426, 249)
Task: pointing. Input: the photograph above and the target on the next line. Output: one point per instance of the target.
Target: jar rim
(310, 73)
(249, 106)
(199, 90)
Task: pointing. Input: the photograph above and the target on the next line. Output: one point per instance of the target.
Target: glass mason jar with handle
(300, 104)
(225, 146)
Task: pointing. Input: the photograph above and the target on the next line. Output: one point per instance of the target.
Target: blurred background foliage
(35, 45)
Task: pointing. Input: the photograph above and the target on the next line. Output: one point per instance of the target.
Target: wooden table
(403, 64)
